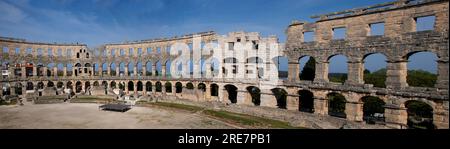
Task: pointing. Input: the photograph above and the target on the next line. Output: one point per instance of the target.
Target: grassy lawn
(237, 118)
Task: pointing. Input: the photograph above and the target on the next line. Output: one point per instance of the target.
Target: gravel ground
(88, 116)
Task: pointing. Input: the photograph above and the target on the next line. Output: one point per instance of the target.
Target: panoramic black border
(169, 137)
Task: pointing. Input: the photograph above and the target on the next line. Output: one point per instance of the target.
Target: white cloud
(10, 13)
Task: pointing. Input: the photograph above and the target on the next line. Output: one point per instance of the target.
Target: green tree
(308, 72)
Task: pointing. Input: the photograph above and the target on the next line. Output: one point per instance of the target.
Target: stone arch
(158, 68)
(372, 75)
(168, 87)
(69, 85)
(201, 86)
(122, 69)
(78, 87)
(148, 68)
(59, 85)
(18, 88)
(50, 84)
(232, 92)
(30, 86)
(139, 69)
(420, 115)
(178, 87)
(105, 84)
(130, 86)
(214, 89)
(96, 83)
(113, 85)
(158, 86)
(40, 85)
(255, 94)
(280, 96)
(130, 67)
(257, 71)
(189, 85)
(307, 68)
(336, 105)
(421, 69)
(281, 62)
(336, 73)
(113, 69)
(140, 86)
(87, 86)
(306, 101)
(148, 86)
(373, 109)
(104, 68)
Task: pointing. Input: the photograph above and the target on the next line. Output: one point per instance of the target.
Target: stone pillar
(125, 73)
(108, 71)
(354, 111)
(55, 71)
(34, 71)
(135, 71)
(100, 71)
(163, 88)
(208, 73)
(320, 106)
(440, 115)
(292, 102)
(396, 74)
(12, 89)
(163, 71)
(395, 116)
(65, 71)
(24, 72)
(321, 72)
(144, 89)
(135, 87)
(153, 70)
(355, 72)
(144, 70)
(268, 99)
(293, 70)
(208, 93)
(117, 71)
(242, 98)
(442, 79)
(45, 72)
(83, 86)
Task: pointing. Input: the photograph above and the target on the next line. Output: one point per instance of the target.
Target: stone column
(34, 71)
(83, 86)
(144, 89)
(100, 71)
(208, 93)
(65, 71)
(45, 72)
(208, 73)
(355, 72)
(24, 72)
(125, 73)
(135, 87)
(442, 79)
(396, 74)
(163, 71)
(395, 116)
(440, 115)
(153, 70)
(135, 71)
(241, 98)
(144, 70)
(292, 99)
(163, 88)
(293, 70)
(321, 72)
(55, 71)
(12, 89)
(354, 111)
(117, 71)
(320, 106)
(108, 71)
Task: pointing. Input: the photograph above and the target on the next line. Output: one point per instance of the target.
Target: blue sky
(96, 22)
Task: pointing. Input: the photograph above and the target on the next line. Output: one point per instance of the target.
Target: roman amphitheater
(138, 70)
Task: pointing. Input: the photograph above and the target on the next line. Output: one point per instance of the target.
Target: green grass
(242, 119)
(12, 102)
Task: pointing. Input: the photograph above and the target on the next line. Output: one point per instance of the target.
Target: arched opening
(148, 68)
(104, 69)
(420, 115)
(373, 109)
(336, 105)
(280, 95)
(18, 89)
(112, 85)
(122, 86)
(59, 85)
(6, 89)
(30, 86)
(78, 87)
(87, 69)
(77, 69)
(50, 71)
(148, 86)
(168, 86)
(96, 83)
(50, 84)
(158, 69)
(168, 65)
(282, 66)
(422, 69)
(232, 93)
(178, 87)
(254, 68)
(306, 101)
(130, 86)
(60, 69)
(40, 85)
(130, 69)
(96, 69)
(307, 68)
(189, 86)
(69, 85)
(87, 86)
(113, 69)
(201, 86)
(214, 90)
(214, 67)
(139, 69)
(69, 69)
(255, 94)
(337, 69)
(121, 69)
(29, 69)
(158, 86)
(375, 69)
(230, 67)
(140, 86)
(40, 69)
